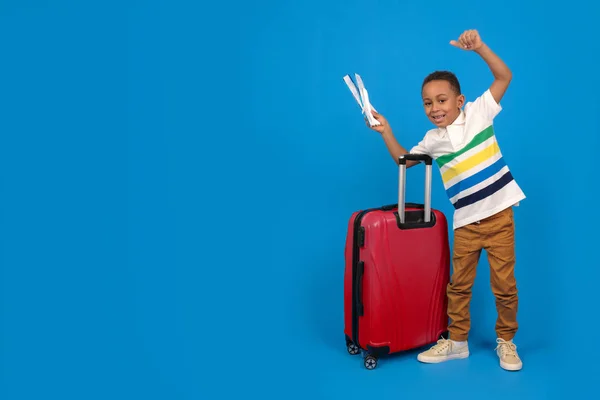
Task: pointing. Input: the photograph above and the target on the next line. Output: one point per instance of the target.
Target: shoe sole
(511, 367)
(439, 359)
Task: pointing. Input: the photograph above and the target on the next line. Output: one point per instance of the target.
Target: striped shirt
(476, 178)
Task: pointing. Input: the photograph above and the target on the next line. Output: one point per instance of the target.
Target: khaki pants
(496, 235)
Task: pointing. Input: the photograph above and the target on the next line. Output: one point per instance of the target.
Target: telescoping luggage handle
(402, 184)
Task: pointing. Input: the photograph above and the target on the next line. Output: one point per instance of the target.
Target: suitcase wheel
(370, 362)
(352, 348)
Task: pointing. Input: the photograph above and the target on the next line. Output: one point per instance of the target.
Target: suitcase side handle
(360, 270)
(402, 184)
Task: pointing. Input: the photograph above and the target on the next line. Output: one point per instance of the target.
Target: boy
(482, 190)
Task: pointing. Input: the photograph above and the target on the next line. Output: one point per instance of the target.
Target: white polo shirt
(476, 178)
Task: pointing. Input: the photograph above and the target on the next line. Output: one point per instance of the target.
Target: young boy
(482, 190)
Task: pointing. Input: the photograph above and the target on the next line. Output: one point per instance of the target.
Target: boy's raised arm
(471, 41)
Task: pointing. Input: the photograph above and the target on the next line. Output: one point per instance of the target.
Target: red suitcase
(396, 273)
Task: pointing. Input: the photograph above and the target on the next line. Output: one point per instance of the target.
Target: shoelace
(506, 348)
(441, 345)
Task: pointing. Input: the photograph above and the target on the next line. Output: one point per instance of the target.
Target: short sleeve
(485, 106)
(421, 148)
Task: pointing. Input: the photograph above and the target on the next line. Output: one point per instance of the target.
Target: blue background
(177, 178)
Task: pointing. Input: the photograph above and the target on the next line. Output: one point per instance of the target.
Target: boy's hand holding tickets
(383, 128)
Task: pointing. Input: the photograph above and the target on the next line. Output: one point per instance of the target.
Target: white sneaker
(507, 352)
(444, 350)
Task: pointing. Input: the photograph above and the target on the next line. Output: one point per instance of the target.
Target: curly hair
(443, 76)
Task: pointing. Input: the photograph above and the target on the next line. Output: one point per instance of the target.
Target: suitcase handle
(415, 157)
(402, 184)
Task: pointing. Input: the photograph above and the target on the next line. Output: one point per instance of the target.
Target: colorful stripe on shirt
(476, 171)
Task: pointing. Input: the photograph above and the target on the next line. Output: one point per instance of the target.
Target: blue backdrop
(177, 178)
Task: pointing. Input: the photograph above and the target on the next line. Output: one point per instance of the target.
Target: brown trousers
(495, 235)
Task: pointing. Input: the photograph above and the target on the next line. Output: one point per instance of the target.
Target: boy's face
(442, 104)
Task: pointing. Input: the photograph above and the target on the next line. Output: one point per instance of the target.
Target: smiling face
(441, 102)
